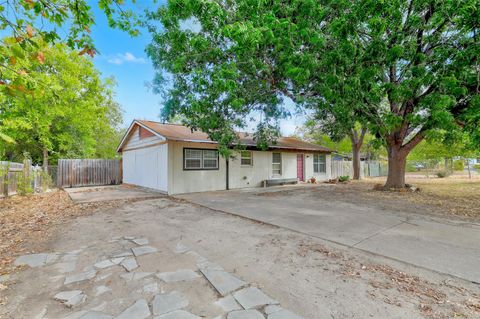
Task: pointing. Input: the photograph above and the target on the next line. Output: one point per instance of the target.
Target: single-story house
(173, 159)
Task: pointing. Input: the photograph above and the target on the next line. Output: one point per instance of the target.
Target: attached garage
(145, 159)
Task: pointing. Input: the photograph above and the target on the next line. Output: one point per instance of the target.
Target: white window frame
(249, 158)
(319, 160)
(202, 160)
(277, 163)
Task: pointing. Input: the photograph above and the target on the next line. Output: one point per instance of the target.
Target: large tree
(405, 67)
(30, 22)
(67, 114)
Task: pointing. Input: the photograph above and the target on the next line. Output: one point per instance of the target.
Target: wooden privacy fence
(88, 172)
(20, 177)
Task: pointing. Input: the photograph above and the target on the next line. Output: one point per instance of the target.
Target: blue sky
(124, 58)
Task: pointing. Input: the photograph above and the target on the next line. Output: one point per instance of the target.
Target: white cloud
(126, 57)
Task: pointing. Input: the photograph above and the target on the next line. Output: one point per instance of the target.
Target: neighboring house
(173, 159)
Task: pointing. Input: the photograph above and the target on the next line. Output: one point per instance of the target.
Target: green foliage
(443, 174)
(476, 167)
(70, 113)
(411, 167)
(458, 165)
(403, 68)
(343, 179)
(30, 23)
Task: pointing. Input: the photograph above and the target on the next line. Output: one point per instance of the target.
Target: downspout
(226, 175)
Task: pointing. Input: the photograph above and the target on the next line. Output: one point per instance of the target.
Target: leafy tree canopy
(31, 22)
(71, 113)
(406, 68)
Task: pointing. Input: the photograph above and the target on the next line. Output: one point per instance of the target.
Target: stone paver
(245, 314)
(179, 275)
(272, 308)
(252, 297)
(104, 264)
(129, 264)
(76, 315)
(151, 288)
(180, 249)
(143, 250)
(136, 275)
(51, 258)
(83, 276)
(139, 310)
(206, 264)
(223, 281)
(140, 241)
(32, 260)
(117, 260)
(96, 315)
(71, 298)
(101, 290)
(283, 314)
(168, 302)
(126, 253)
(178, 314)
(228, 304)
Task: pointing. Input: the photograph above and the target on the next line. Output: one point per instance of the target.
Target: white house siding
(187, 181)
(134, 141)
(254, 175)
(145, 163)
(319, 176)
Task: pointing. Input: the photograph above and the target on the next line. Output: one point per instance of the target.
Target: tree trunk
(356, 161)
(357, 141)
(397, 159)
(468, 167)
(45, 160)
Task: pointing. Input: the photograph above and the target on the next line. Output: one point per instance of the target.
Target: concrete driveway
(437, 244)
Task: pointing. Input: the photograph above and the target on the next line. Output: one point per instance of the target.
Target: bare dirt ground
(313, 278)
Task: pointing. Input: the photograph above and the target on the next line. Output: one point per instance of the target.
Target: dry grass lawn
(457, 195)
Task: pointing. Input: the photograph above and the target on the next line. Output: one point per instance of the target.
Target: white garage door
(146, 167)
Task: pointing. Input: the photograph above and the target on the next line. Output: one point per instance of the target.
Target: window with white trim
(200, 159)
(319, 163)
(277, 163)
(246, 158)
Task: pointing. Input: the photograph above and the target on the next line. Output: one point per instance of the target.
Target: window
(197, 159)
(319, 163)
(246, 158)
(277, 163)
(210, 159)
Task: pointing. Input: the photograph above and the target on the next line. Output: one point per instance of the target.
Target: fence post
(26, 175)
(5, 179)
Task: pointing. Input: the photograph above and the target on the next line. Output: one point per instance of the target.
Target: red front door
(300, 167)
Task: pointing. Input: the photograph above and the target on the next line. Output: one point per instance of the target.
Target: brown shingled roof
(183, 133)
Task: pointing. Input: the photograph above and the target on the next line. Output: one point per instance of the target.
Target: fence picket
(88, 172)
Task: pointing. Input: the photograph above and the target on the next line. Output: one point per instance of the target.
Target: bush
(411, 167)
(443, 174)
(458, 165)
(477, 167)
(343, 178)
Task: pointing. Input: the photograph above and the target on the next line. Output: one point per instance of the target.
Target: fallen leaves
(27, 222)
(395, 287)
